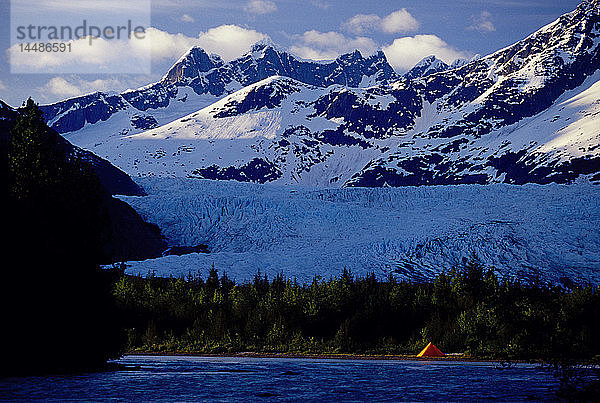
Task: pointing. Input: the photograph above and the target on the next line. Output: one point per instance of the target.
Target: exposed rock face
(489, 96)
(209, 75)
(527, 113)
(427, 67)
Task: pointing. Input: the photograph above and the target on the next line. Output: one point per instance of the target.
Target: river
(185, 378)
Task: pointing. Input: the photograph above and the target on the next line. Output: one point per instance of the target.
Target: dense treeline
(468, 310)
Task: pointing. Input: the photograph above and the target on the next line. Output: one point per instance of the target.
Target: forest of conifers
(469, 310)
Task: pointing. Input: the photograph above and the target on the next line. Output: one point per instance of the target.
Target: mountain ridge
(498, 118)
(207, 75)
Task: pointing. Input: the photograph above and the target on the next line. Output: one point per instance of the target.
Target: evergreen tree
(31, 160)
(64, 318)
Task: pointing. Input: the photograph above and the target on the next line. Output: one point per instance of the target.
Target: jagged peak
(196, 49)
(430, 61)
(195, 59)
(191, 51)
(426, 66)
(463, 61)
(380, 59)
(357, 54)
(350, 56)
(426, 60)
(562, 34)
(262, 47)
(379, 54)
(197, 54)
(262, 44)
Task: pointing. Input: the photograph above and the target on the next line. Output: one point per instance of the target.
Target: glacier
(304, 155)
(411, 232)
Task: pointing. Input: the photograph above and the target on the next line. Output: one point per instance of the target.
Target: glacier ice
(410, 232)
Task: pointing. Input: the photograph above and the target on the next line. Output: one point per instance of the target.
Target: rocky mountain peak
(190, 65)
(426, 67)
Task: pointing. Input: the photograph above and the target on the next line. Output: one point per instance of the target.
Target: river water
(179, 378)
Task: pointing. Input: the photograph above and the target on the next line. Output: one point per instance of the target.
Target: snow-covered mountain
(527, 113)
(198, 79)
(426, 67)
(431, 65)
(267, 131)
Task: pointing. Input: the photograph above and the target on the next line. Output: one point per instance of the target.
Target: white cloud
(2, 86)
(482, 22)
(112, 56)
(103, 56)
(187, 18)
(398, 21)
(405, 52)
(317, 45)
(260, 7)
(61, 87)
(228, 41)
(402, 54)
(361, 23)
(165, 45)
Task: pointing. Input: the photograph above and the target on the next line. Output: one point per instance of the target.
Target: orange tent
(431, 351)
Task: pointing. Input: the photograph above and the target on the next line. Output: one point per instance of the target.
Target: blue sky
(321, 29)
